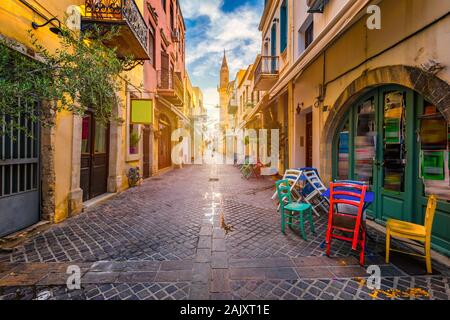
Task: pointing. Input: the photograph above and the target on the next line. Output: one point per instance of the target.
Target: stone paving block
(218, 233)
(173, 276)
(219, 245)
(349, 272)
(201, 272)
(199, 291)
(314, 273)
(54, 279)
(206, 230)
(247, 273)
(203, 255)
(176, 265)
(136, 277)
(107, 266)
(99, 277)
(204, 242)
(311, 261)
(22, 279)
(221, 296)
(219, 260)
(281, 273)
(130, 266)
(261, 263)
(220, 281)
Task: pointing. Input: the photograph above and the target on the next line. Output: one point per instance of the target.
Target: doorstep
(97, 200)
(436, 256)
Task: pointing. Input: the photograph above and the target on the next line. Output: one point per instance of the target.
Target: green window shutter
(283, 26)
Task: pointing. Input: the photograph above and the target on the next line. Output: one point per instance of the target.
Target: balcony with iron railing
(170, 86)
(132, 37)
(266, 73)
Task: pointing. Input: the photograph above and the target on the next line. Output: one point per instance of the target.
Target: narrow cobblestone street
(167, 239)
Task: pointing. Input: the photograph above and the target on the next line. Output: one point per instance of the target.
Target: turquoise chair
(296, 210)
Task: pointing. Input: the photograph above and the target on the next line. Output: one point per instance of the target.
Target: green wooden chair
(296, 210)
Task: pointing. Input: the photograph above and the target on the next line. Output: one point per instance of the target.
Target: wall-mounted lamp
(276, 20)
(299, 108)
(55, 30)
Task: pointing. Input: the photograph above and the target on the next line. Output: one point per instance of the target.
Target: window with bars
(19, 152)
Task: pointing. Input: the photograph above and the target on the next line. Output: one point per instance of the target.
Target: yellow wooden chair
(407, 230)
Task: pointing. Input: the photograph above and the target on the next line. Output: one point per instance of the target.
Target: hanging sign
(141, 111)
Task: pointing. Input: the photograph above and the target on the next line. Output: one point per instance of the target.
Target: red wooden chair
(348, 197)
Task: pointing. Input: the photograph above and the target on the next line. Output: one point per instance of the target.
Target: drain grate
(213, 179)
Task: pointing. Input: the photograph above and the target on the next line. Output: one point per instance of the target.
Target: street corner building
(62, 169)
(359, 90)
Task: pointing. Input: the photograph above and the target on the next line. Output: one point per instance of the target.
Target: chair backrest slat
(341, 192)
(429, 214)
(284, 191)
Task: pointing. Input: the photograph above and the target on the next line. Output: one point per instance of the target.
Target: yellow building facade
(61, 161)
(332, 69)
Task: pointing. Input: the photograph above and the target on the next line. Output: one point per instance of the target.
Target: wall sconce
(276, 20)
(55, 30)
(299, 108)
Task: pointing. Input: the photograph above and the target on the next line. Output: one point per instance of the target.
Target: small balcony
(170, 87)
(175, 35)
(266, 73)
(132, 38)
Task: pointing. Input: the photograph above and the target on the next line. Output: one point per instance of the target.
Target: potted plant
(134, 176)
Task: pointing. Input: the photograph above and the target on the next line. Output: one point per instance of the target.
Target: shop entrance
(387, 140)
(146, 158)
(164, 144)
(94, 157)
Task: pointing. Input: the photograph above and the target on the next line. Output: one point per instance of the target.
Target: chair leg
(388, 243)
(328, 247)
(311, 223)
(363, 247)
(302, 225)
(282, 219)
(428, 256)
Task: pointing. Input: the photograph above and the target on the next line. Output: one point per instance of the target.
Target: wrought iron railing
(119, 10)
(266, 65)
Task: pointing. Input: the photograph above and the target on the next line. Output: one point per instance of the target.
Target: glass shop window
(434, 153)
(394, 142)
(343, 151)
(85, 135)
(133, 139)
(365, 142)
(100, 142)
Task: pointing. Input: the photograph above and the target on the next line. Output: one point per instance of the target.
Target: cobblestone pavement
(167, 239)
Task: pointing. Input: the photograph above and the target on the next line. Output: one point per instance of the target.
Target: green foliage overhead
(82, 73)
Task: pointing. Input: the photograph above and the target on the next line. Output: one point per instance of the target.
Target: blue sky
(215, 25)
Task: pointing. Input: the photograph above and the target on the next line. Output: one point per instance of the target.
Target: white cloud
(236, 31)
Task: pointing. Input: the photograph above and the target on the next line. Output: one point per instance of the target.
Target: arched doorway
(164, 143)
(397, 141)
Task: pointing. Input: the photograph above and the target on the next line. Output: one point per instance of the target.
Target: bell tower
(223, 91)
(224, 72)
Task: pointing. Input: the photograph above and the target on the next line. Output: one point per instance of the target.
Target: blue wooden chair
(295, 210)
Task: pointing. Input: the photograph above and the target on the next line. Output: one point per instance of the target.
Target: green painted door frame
(409, 204)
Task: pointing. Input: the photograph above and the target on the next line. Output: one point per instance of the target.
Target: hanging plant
(82, 73)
